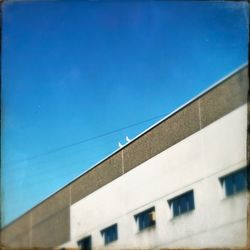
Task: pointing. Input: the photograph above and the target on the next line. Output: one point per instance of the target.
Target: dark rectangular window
(235, 182)
(85, 243)
(110, 234)
(145, 219)
(182, 203)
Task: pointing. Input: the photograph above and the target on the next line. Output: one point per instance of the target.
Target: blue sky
(72, 70)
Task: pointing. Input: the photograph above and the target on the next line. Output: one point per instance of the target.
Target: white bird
(120, 145)
(127, 139)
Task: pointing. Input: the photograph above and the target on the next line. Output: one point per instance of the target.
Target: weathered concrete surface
(224, 98)
(20, 228)
(28, 230)
(102, 174)
(174, 129)
(52, 231)
(52, 205)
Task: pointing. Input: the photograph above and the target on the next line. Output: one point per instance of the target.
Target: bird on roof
(120, 145)
(127, 139)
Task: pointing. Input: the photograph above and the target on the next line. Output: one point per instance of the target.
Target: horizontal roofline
(220, 81)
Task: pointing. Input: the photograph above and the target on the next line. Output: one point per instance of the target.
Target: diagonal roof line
(220, 81)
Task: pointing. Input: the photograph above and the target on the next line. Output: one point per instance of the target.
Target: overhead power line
(84, 141)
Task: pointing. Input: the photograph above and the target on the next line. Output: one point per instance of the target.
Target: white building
(181, 183)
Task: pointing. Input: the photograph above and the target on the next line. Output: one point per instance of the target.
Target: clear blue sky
(75, 69)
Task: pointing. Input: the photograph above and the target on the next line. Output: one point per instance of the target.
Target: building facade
(181, 183)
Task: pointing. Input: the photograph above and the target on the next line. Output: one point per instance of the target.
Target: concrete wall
(36, 228)
(194, 163)
(52, 215)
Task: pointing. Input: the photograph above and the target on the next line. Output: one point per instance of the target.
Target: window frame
(231, 185)
(106, 231)
(89, 237)
(145, 219)
(179, 208)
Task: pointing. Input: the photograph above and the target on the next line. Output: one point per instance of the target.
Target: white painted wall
(194, 163)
